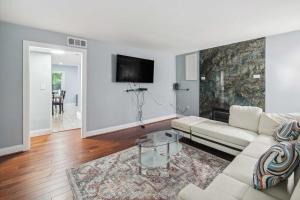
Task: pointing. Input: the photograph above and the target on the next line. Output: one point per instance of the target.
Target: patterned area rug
(116, 176)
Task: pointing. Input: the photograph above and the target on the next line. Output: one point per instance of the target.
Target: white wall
(40, 91)
(107, 103)
(283, 73)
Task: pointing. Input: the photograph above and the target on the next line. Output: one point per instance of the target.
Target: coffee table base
(167, 156)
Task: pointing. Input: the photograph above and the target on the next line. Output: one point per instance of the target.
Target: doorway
(66, 95)
(54, 89)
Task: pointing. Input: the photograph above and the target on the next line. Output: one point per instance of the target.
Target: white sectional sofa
(247, 135)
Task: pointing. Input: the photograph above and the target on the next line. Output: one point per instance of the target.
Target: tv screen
(136, 70)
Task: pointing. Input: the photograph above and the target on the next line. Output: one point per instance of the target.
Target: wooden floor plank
(40, 173)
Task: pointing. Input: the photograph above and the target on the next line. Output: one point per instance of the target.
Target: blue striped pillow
(287, 131)
(276, 165)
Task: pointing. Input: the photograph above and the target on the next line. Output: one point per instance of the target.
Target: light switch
(43, 86)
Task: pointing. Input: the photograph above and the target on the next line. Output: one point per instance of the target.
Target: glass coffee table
(156, 149)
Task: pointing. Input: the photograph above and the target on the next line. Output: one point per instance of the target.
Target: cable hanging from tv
(140, 100)
(139, 93)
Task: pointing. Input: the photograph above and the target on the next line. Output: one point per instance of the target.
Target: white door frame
(26, 86)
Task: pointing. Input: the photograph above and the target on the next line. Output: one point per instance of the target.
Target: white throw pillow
(246, 117)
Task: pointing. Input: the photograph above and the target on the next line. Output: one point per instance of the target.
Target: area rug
(116, 176)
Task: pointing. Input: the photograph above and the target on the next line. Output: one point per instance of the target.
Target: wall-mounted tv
(136, 70)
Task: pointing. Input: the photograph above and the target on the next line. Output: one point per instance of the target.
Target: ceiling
(173, 25)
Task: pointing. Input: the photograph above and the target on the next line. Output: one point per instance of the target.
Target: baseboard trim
(13, 149)
(180, 115)
(129, 125)
(40, 132)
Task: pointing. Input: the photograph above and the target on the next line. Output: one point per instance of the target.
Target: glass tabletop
(159, 138)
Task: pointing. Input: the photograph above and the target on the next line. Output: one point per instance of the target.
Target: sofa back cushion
(293, 116)
(269, 122)
(245, 117)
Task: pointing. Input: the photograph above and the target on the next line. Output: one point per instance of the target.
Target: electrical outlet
(256, 76)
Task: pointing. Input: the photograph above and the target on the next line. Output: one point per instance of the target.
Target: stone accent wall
(226, 76)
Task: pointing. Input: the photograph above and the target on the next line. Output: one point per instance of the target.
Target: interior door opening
(54, 90)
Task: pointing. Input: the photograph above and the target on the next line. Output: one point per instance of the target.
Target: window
(58, 81)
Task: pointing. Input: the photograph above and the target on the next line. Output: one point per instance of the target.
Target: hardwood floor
(40, 172)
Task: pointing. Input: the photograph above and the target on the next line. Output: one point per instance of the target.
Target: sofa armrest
(192, 192)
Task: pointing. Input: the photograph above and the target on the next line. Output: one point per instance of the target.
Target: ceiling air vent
(77, 42)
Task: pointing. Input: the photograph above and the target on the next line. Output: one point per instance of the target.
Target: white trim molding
(27, 45)
(13, 149)
(129, 125)
(40, 132)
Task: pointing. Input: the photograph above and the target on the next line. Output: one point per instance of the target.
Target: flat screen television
(136, 70)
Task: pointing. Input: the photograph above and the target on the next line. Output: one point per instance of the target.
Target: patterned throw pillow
(288, 131)
(276, 165)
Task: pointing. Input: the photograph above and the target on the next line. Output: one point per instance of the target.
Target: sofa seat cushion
(266, 139)
(241, 168)
(185, 123)
(224, 132)
(297, 174)
(246, 117)
(281, 191)
(252, 194)
(227, 185)
(255, 149)
(296, 192)
(192, 192)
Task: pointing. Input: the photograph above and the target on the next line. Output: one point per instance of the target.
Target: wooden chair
(62, 94)
(58, 101)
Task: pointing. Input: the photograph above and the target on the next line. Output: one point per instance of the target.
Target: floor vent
(76, 42)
